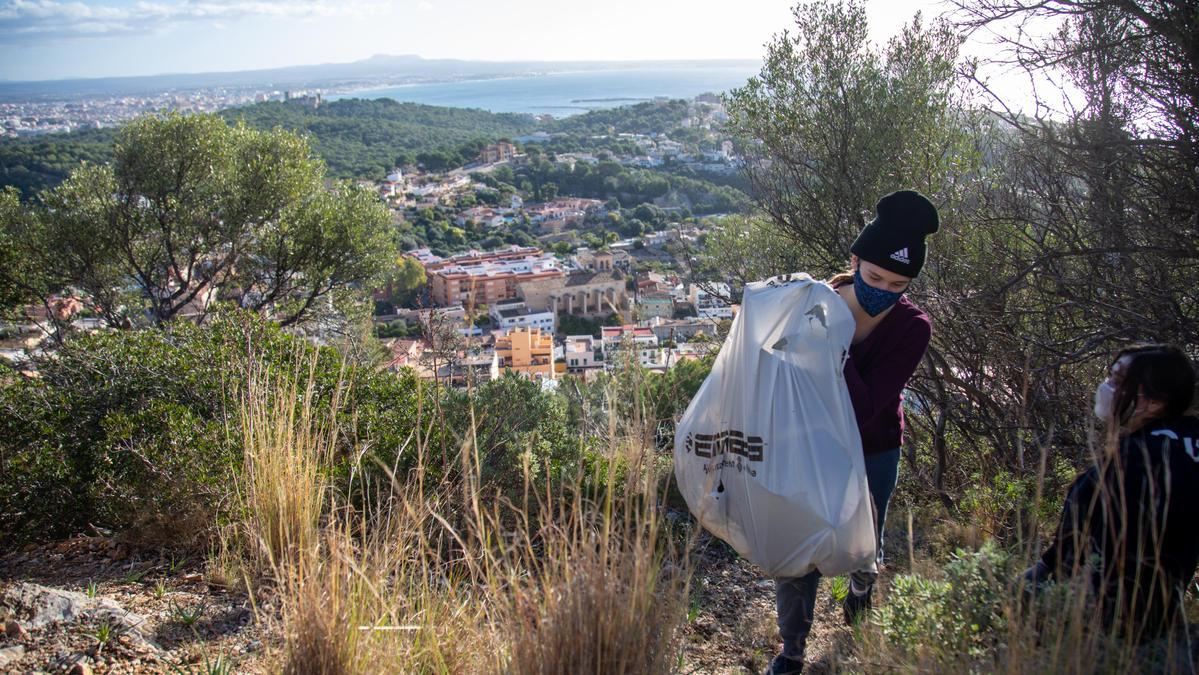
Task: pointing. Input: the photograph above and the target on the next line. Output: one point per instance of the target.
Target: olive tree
(192, 211)
(832, 122)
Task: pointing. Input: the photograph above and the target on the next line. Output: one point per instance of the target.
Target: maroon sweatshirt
(878, 369)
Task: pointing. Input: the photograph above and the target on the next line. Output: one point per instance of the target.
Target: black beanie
(894, 240)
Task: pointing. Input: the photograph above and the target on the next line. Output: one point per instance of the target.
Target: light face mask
(1105, 396)
(874, 301)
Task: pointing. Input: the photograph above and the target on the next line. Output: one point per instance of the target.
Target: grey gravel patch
(42, 606)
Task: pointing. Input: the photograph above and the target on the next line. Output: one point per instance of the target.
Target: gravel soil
(731, 626)
(192, 622)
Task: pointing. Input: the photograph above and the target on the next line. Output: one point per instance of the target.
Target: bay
(564, 94)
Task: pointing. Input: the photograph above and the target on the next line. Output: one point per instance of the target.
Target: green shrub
(132, 429)
(960, 616)
(139, 430)
(110, 434)
(515, 423)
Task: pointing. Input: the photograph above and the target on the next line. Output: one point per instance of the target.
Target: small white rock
(10, 655)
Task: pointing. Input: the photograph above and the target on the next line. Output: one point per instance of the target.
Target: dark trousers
(795, 597)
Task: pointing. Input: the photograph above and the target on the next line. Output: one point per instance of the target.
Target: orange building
(485, 278)
(459, 288)
(528, 351)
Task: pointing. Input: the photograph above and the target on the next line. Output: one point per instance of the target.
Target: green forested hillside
(365, 138)
(641, 118)
(31, 164)
(357, 139)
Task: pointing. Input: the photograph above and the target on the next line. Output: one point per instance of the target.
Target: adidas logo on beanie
(894, 240)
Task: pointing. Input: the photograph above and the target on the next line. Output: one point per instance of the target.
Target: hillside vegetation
(365, 520)
(357, 138)
(360, 138)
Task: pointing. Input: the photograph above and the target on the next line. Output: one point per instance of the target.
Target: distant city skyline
(58, 39)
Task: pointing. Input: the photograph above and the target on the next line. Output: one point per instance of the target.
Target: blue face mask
(873, 300)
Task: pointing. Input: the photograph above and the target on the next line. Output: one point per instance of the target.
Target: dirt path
(731, 627)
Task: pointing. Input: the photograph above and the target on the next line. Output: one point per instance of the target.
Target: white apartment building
(708, 306)
(510, 314)
(641, 341)
(580, 353)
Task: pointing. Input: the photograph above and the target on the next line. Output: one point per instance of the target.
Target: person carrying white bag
(768, 456)
(890, 338)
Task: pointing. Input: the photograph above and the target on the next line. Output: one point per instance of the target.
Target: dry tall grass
(377, 605)
(605, 592)
(283, 489)
(451, 578)
(607, 582)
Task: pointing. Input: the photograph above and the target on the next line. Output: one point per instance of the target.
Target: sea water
(568, 93)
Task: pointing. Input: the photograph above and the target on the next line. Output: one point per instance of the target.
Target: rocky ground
(93, 605)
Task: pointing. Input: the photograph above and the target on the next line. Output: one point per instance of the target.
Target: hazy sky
(48, 39)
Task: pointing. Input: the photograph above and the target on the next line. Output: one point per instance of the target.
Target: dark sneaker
(782, 665)
(857, 604)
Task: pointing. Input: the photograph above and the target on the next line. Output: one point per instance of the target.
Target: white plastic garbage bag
(768, 454)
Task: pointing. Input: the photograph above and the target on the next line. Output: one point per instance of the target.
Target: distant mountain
(377, 70)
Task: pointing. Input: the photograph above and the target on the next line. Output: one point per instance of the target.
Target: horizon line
(69, 78)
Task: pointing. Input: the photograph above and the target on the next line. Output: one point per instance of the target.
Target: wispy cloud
(35, 20)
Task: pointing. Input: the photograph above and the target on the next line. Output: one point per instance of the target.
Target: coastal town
(527, 280)
(559, 307)
(510, 310)
(37, 117)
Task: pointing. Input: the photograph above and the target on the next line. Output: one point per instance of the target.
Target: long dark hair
(1159, 371)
